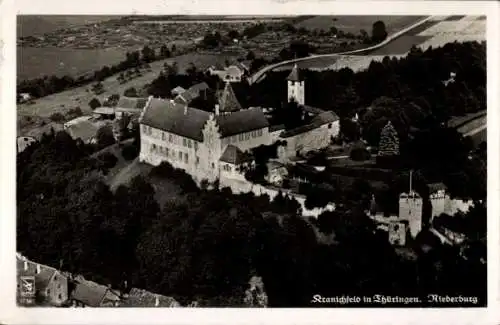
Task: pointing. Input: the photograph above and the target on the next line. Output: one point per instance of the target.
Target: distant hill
(33, 25)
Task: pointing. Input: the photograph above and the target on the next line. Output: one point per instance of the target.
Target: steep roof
(241, 122)
(130, 102)
(228, 101)
(42, 279)
(173, 117)
(192, 93)
(143, 298)
(90, 293)
(178, 90)
(294, 75)
(84, 130)
(325, 118)
(232, 155)
(189, 122)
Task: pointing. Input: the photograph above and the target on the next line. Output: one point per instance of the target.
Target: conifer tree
(389, 141)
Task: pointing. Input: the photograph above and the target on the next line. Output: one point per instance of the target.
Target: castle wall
(311, 140)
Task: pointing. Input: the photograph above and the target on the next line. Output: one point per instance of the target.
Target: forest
(205, 244)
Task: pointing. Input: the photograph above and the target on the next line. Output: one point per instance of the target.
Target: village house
(50, 285)
(90, 294)
(142, 298)
(232, 73)
(130, 106)
(24, 142)
(193, 92)
(276, 173)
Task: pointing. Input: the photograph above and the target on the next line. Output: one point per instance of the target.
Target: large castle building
(211, 145)
(204, 144)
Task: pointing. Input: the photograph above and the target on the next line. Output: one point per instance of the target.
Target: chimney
(157, 301)
(37, 268)
(217, 109)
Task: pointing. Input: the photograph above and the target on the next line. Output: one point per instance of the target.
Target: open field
(32, 25)
(354, 24)
(37, 62)
(63, 101)
(469, 28)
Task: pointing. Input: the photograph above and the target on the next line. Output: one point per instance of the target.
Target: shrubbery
(130, 152)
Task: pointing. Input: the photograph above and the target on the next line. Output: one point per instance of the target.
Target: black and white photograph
(251, 161)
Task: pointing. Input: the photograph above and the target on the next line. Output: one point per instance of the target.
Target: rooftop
(131, 102)
(294, 75)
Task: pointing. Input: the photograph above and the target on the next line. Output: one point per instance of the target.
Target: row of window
(242, 137)
(227, 168)
(172, 138)
(170, 153)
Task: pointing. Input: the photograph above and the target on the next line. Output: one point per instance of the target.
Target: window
(260, 133)
(48, 291)
(213, 165)
(197, 160)
(186, 158)
(166, 152)
(180, 156)
(170, 138)
(195, 145)
(253, 134)
(189, 143)
(153, 147)
(240, 137)
(59, 296)
(234, 139)
(173, 154)
(163, 136)
(184, 142)
(330, 125)
(247, 136)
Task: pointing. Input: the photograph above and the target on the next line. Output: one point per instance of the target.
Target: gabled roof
(189, 122)
(131, 102)
(192, 93)
(178, 90)
(325, 118)
(143, 298)
(228, 101)
(234, 70)
(294, 75)
(173, 117)
(89, 293)
(84, 130)
(241, 122)
(42, 279)
(232, 155)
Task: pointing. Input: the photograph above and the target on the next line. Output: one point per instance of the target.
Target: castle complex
(210, 145)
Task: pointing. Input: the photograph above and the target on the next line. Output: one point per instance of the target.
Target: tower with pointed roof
(227, 101)
(295, 86)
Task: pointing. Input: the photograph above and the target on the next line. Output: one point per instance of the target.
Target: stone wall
(243, 186)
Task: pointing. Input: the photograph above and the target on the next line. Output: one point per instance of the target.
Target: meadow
(37, 62)
(354, 24)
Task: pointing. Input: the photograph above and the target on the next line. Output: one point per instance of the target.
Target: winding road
(259, 75)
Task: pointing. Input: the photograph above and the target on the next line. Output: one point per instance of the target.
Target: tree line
(205, 243)
(46, 85)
